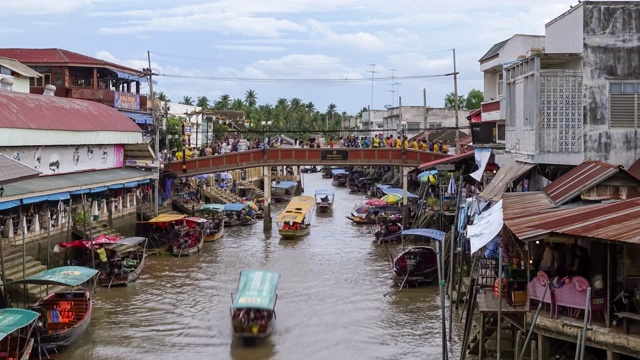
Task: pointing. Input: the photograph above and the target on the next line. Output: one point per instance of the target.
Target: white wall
(565, 34)
(20, 84)
(520, 45)
(491, 85)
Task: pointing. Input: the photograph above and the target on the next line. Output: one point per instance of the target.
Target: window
(501, 132)
(624, 104)
(41, 81)
(500, 85)
(5, 71)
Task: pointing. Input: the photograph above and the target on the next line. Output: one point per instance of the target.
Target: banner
(482, 158)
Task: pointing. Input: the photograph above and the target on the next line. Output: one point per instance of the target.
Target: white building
(17, 75)
(418, 119)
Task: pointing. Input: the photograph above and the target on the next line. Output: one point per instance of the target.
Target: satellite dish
(388, 106)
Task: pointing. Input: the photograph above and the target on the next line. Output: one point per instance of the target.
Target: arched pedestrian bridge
(302, 157)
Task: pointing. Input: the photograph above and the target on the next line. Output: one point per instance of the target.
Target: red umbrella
(376, 202)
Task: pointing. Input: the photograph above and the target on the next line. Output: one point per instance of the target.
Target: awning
(139, 118)
(508, 173)
(133, 77)
(59, 196)
(80, 192)
(9, 204)
(99, 189)
(145, 181)
(448, 160)
(116, 186)
(131, 184)
(34, 199)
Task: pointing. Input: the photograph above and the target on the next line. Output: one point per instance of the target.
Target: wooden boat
(215, 214)
(295, 220)
(385, 231)
(17, 331)
(253, 305)
(239, 214)
(126, 264)
(324, 200)
(191, 239)
(65, 315)
(328, 172)
(416, 266)
(283, 191)
(164, 230)
(340, 179)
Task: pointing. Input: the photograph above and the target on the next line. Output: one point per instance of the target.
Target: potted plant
(80, 218)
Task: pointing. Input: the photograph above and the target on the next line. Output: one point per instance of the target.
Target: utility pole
(426, 122)
(156, 170)
(455, 89)
(393, 88)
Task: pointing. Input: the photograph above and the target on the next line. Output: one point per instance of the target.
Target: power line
(300, 80)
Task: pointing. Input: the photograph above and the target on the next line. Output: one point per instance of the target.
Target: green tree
(163, 97)
(237, 104)
(474, 100)
(250, 99)
(186, 100)
(450, 101)
(223, 103)
(203, 102)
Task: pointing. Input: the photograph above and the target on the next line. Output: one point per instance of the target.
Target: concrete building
(372, 120)
(417, 121)
(16, 76)
(578, 100)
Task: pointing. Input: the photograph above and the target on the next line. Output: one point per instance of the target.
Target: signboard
(187, 129)
(126, 101)
(334, 155)
(68, 159)
(483, 133)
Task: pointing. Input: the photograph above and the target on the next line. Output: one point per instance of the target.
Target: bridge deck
(302, 157)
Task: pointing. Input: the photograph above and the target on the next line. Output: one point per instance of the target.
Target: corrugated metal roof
(519, 204)
(18, 67)
(578, 180)
(447, 160)
(509, 172)
(53, 184)
(39, 112)
(13, 170)
(54, 56)
(495, 49)
(616, 222)
(634, 169)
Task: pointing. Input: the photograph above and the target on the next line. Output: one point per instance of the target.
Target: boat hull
(189, 251)
(323, 208)
(214, 237)
(416, 266)
(125, 279)
(250, 336)
(293, 234)
(361, 221)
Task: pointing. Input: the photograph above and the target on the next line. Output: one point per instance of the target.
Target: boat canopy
(211, 208)
(330, 192)
(297, 209)
(235, 207)
(337, 171)
(430, 233)
(64, 275)
(397, 191)
(131, 241)
(196, 219)
(256, 290)
(285, 184)
(99, 240)
(167, 218)
(14, 319)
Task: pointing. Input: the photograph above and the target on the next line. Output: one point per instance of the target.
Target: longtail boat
(324, 200)
(253, 305)
(215, 214)
(295, 220)
(191, 238)
(16, 332)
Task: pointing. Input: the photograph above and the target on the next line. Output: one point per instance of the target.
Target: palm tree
(163, 97)
(237, 104)
(223, 103)
(250, 98)
(186, 100)
(331, 109)
(203, 102)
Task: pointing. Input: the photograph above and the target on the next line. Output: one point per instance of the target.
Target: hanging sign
(334, 155)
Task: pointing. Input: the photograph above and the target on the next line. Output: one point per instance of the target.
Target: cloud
(6, 30)
(38, 7)
(250, 48)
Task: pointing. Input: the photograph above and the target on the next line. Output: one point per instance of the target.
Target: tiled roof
(35, 57)
(40, 112)
(495, 49)
(13, 170)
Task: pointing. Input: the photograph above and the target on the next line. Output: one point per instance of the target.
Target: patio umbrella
(362, 209)
(452, 186)
(376, 202)
(431, 179)
(426, 174)
(391, 198)
(225, 176)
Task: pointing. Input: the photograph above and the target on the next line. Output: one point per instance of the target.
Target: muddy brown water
(337, 299)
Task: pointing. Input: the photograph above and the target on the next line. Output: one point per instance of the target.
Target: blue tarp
(337, 171)
(116, 186)
(285, 184)
(59, 196)
(234, 207)
(145, 181)
(34, 199)
(430, 233)
(397, 191)
(98, 189)
(131, 184)
(78, 192)
(9, 204)
(139, 118)
(383, 186)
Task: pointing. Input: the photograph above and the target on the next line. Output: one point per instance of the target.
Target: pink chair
(535, 290)
(573, 296)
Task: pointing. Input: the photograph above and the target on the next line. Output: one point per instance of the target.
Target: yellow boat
(295, 220)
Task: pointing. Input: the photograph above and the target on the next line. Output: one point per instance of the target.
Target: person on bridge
(179, 155)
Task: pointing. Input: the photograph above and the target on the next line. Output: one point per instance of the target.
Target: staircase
(220, 195)
(13, 271)
(97, 228)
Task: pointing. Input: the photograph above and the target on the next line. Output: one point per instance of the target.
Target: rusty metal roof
(518, 204)
(13, 170)
(54, 56)
(509, 172)
(40, 112)
(580, 179)
(446, 160)
(614, 222)
(634, 169)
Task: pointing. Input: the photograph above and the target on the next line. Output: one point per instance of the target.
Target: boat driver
(325, 199)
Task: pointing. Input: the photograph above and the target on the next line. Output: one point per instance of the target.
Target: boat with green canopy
(215, 214)
(253, 305)
(16, 333)
(65, 315)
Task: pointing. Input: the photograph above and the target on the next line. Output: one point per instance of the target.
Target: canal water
(336, 299)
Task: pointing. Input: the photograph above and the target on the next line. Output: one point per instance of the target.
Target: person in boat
(104, 261)
(325, 199)
(286, 226)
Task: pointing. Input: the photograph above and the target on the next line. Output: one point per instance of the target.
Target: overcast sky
(268, 41)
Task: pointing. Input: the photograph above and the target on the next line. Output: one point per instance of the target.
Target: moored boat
(416, 266)
(17, 333)
(125, 263)
(191, 239)
(340, 177)
(215, 214)
(239, 214)
(385, 231)
(253, 305)
(65, 315)
(283, 191)
(295, 220)
(324, 200)
(164, 230)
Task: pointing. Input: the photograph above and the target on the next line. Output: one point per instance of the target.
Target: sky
(318, 51)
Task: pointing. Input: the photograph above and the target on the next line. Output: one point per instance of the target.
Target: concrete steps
(13, 271)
